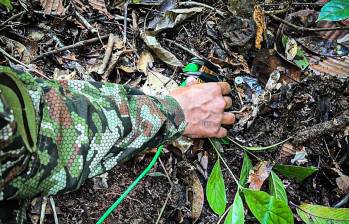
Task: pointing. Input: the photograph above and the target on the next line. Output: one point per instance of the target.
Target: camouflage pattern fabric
(82, 129)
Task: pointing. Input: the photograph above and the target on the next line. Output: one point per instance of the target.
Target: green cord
(130, 188)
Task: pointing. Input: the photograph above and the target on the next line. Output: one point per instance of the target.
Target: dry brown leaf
(343, 183)
(100, 6)
(197, 202)
(259, 18)
(145, 60)
(161, 52)
(158, 85)
(53, 6)
(333, 66)
(16, 49)
(259, 174)
(287, 150)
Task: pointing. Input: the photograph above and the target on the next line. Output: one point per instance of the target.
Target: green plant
(335, 10)
(6, 3)
(268, 208)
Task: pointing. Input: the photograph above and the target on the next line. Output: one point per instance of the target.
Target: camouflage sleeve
(84, 129)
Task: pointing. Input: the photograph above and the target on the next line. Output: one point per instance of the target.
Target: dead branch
(300, 28)
(12, 18)
(76, 45)
(335, 125)
(190, 3)
(107, 54)
(85, 22)
(184, 48)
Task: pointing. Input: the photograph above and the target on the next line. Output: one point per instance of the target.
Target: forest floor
(308, 108)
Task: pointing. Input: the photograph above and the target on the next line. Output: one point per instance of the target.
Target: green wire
(130, 188)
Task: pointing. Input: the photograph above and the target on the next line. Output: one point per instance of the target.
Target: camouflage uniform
(56, 134)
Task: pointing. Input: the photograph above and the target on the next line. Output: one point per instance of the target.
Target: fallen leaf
(59, 74)
(161, 52)
(197, 201)
(100, 6)
(259, 174)
(287, 150)
(259, 18)
(146, 2)
(333, 66)
(165, 6)
(53, 6)
(183, 144)
(144, 62)
(323, 47)
(100, 182)
(173, 17)
(291, 47)
(343, 183)
(16, 49)
(158, 84)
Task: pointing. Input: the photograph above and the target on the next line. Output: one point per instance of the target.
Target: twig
(168, 194)
(300, 28)
(85, 22)
(76, 45)
(53, 206)
(113, 61)
(343, 201)
(190, 3)
(184, 48)
(21, 63)
(125, 22)
(43, 210)
(224, 214)
(107, 54)
(295, 3)
(12, 18)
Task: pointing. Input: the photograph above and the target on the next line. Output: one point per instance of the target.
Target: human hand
(203, 106)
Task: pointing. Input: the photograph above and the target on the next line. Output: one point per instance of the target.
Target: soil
(314, 99)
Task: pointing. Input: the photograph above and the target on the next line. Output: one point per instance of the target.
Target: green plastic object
(130, 188)
(191, 67)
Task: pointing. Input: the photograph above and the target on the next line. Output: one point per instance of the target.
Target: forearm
(86, 128)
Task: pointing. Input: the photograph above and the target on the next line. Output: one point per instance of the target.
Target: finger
(221, 133)
(228, 118)
(192, 81)
(226, 89)
(228, 102)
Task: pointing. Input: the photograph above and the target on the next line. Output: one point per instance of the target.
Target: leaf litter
(277, 92)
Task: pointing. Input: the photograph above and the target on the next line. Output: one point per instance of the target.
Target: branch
(76, 45)
(300, 28)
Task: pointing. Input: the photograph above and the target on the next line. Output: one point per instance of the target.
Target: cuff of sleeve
(175, 124)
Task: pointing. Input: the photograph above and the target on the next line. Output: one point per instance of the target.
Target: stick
(184, 48)
(85, 22)
(12, 18)
(76, 45)
(168, 194)
(190, 3)
(300, 28)
(53, 206)
(125, 22)
(107, 54)
(335, 125)
(343, 201)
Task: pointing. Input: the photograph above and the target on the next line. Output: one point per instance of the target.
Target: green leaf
(224, 141)
(335, 10)
(316, 214)
(276, 187)
(301, 60)
(236, 214)
(268, 209)
(298, 173)
(245, 170)
(215, 190)
(6, 3)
